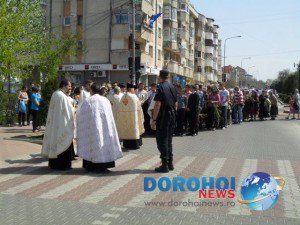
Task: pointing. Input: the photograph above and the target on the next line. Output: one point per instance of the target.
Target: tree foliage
(286, 82)
(25, 41)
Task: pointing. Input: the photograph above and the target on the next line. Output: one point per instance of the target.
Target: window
(159, 55)
(173, 34)
(159, 9)
(199, 69)
(121, 16)
(174, 14)
(184, 7)
(79, 45)
(79, 20)
(67, 21)
(159, 32)
(167, 12)
(150, 50)
(166, 34)
(198, 54)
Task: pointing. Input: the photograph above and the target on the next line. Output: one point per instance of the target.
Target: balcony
(170, 46)
(183, 34)
(120, 30)
(183, 16)
(172, 3)
(209, 36)
(210, 22)
(209, 62)
(200, 33)
(183, 52)
(216, 41)
(172, 67)
(209, 49)
(209, 76)
(191, 56)
(188, 72)
(119, 57)
(215, 66)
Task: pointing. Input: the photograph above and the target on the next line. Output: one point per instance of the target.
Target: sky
(270, 31)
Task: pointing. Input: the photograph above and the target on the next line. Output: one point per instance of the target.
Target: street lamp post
(243, 60)
(225, 47)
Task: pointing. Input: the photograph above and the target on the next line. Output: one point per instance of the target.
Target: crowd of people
(29, 100)
(92, 121)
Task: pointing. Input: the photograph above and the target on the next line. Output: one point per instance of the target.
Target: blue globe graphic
(258, 185)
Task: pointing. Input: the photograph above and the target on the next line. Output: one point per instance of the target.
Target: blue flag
(153, 18)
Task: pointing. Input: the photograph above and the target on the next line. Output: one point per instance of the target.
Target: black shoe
(170, 166)
(189, 134)
(162, 169)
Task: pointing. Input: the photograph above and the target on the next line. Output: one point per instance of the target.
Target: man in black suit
(193, 109)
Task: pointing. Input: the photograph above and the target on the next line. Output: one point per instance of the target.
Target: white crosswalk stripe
(212, 170)
(291, 192)
(23, 171)
(68, 186)
(139, 200)
(115, 185)
(36, 181)
(250, 166)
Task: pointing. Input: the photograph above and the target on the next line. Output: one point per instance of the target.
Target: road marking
(36, 181)
(139, 200)
(98, 222)
(21, 172)
(118, 183)
(212, 170)
(118, 209)
(109, 215)
(291, 192)
(83, 179)
(249, 167)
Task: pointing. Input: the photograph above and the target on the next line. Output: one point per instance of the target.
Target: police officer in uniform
(164, 120)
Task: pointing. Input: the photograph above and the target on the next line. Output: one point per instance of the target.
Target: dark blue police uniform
(165, 121)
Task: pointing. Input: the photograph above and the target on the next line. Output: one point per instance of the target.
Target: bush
(284, 97)
(8, 108)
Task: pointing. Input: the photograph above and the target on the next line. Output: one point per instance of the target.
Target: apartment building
(181, 40)
(104, 38)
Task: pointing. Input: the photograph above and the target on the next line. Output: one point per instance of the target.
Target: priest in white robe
(97, 138)
(59, 133)
(130, 119)
(115, 99)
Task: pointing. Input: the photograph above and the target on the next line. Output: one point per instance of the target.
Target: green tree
(25, 43)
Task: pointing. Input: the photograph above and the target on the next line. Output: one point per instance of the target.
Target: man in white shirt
(224, 96)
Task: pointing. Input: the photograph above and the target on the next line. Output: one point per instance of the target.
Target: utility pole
(133, 43)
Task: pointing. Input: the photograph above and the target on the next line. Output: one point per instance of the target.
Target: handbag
(22, 107)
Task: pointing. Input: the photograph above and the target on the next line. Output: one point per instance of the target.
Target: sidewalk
(12, 149)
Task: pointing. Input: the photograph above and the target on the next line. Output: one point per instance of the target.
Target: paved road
(30, 193)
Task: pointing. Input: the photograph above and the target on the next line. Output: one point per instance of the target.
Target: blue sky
(270, 32)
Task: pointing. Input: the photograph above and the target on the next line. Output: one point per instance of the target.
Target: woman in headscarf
(263, 106)
(274, 106)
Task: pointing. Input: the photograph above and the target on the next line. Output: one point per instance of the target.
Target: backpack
(22, 107)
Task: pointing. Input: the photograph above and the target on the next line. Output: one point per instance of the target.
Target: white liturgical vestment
(130, 118)
(97, 137)
(59, 131)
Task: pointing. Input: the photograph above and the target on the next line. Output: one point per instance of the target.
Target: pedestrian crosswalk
(24, 179)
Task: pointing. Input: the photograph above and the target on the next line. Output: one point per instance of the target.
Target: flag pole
(140, 34)
(133, 43)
